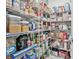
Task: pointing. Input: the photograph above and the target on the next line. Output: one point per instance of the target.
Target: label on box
(10, 50)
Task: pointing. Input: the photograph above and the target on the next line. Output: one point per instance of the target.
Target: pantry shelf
(21, 33)
(12, 11)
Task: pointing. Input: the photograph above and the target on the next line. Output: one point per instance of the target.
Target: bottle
(30, 41)
(33, 26)
(26, 39)
(30, 26)
(31, 38)
(34, 38)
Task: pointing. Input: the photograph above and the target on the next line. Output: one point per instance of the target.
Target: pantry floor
(54, 57)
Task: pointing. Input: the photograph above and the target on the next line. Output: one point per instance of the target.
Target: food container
(13, 24)
(14, 28)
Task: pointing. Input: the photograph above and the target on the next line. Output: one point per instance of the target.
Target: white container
(65, 27)
(65, 17)
(60, 27)
(65, 45)
(59, 18)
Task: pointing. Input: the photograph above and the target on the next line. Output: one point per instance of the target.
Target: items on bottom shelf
(27, 40)
(27, 53)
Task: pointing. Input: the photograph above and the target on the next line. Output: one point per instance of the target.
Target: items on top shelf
(62, 8)
(28, 7)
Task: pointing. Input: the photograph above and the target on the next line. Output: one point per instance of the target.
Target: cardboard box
(14, 28)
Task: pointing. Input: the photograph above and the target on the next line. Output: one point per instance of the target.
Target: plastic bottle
(33, 26)
(37, 38)
(30, 26)
(34, 38)
(29, 40)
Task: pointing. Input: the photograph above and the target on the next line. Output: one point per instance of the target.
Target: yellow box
(13, 28)
(25, 28)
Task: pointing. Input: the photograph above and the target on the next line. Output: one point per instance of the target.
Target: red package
(64, 35)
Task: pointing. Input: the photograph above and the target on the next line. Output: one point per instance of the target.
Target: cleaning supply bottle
(34, 38)
(30, 26)
(29, 40)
